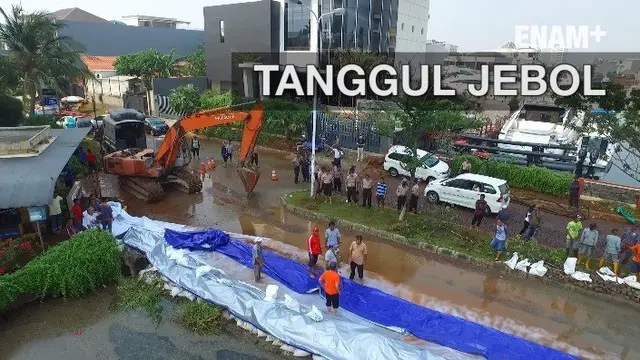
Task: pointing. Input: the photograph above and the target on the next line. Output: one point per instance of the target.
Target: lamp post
(314, 120)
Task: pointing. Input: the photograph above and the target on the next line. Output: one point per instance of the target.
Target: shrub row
(71, 269)
(532, 178)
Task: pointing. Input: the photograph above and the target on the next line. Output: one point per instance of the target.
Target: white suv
(432, 168)
(465, 189)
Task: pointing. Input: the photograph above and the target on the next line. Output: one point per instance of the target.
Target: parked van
(432, 168)
(465, 189)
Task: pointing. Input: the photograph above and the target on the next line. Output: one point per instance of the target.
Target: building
(154, 22)
(286, 28)
(24, 150)
(434, 46)
(77, 14)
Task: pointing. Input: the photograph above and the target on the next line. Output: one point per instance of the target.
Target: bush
(202, 317)
(70, 269)
(76, 166)
(138, 294)
(40, 120)
(532, 178)
(11, 111)
(12, 249)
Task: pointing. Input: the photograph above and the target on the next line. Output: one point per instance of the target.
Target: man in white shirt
(55, 213)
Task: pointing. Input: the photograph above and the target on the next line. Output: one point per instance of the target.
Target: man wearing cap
(257, 259)
(313, 245)
(574, 228)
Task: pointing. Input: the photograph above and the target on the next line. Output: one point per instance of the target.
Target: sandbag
(126, 114)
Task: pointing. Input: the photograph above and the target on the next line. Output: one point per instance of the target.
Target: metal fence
(334, 127)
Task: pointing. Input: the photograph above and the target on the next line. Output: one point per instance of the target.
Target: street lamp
(314, 120)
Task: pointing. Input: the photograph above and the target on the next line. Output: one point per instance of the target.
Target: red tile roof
(97, 63)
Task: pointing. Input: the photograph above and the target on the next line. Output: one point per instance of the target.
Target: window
(297, 26)
(221, 25)
(402, 26)
(422, 31)
(413, 28)
(486, 188)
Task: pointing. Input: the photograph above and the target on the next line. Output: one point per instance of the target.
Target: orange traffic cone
(274, 177)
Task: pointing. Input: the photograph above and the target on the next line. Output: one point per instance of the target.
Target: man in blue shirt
(381, 191)
(332, 235)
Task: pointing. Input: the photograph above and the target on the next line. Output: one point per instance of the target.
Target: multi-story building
(154, 22)
(287, 28)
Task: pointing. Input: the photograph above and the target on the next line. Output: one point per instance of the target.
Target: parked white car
(465, 189)
(432, 168)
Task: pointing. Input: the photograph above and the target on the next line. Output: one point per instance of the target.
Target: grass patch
(137, 294)
(202, 317)
(441, 230)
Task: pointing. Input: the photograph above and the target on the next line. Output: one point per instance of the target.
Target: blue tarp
(379, 307)
(290, 273)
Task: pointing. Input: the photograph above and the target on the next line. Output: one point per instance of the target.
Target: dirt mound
(373, 166)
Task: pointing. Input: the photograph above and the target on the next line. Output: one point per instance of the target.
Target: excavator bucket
(249, 178)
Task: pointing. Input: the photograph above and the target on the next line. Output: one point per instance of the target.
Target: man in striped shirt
(381, 191)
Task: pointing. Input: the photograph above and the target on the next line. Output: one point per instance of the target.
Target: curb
(586, 288)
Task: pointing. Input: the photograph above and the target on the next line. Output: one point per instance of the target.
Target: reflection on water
(571, 322)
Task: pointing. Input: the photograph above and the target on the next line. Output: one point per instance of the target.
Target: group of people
(98, 214)
(330, 278)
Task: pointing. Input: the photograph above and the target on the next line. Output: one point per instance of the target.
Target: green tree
(621, 125)
(185, 99)
(11, 113)
(213, 99)
(286, 117)
(366, 60)
(147, 65)
(38, 55)
(419, 118)
(196, 63)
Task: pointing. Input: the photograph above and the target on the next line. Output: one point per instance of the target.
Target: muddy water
(585, 326)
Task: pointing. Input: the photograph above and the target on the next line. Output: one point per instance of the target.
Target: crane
(143, 172)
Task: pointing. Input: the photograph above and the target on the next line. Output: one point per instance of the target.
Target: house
(154, 22)
(77, 14)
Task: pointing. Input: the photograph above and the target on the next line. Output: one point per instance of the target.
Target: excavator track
(185, 181)
(147, 189)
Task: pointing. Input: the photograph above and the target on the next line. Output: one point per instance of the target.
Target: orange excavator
(143, 172)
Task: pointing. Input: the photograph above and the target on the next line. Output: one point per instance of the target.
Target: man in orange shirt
(330, 281)
(635, 263)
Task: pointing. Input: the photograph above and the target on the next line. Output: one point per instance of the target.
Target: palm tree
(38, 54)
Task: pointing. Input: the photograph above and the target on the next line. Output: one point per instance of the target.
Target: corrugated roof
(77, 14)
(97, 63)
(31, 181)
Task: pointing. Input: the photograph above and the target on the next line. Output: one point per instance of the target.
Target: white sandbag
(581, 276)
(522, 265)
(269, 338)
(175, 291)
(318, 357)
(570, 265)
(632, 281)
(201, 270)
(538, 269)
(276, 342)
(178, 255)
(261, 333)
(300, 353)
(287, 348)
(607, 277)
(511, 263)
(315, 314)
(606, 271)
(271, 293)
(167, 287)
(225, 314)
(291, 303)
(187, 295)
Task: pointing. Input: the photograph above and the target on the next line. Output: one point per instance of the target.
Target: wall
(114, 40)
(248, 27)
(612, 192)
(113, 86)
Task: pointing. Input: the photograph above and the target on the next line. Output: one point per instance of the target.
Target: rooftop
(98, 63)
(24, 141)
(77, 14)
(18, 185)
(155, 18)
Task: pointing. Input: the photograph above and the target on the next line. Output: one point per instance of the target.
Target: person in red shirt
(313, 245)
(635, 263)
(76, 212)
(330, 281)
(91, 160)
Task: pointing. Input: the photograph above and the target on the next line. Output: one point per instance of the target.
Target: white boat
(550, 125)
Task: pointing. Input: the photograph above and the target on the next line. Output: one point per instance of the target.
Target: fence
(333, 127)
(111, 86)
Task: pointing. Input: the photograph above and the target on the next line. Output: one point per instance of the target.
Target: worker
(314, 248)
(357, 257)
(257, 259)
(195, 147)
(254, 158)
(296, 168)
(635, 262)
(91, 161)
(203, 170)
(588, 242)
(611, 250)
(574, 228)
(574, 193)
(76, 213)
(330, 281)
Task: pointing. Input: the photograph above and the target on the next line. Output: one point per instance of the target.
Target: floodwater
(573, 322)
(87, 329)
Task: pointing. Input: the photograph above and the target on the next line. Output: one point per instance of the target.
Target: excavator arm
(171, 145)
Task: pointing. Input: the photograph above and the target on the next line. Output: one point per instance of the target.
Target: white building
(435, 46)
(154, 22)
